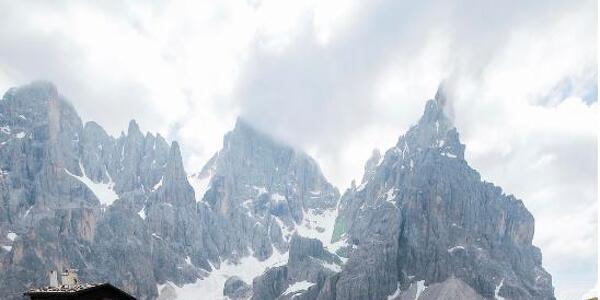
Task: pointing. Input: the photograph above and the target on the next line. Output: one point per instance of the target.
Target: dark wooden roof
(79, 290)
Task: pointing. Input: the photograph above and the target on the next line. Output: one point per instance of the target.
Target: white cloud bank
(338, 78)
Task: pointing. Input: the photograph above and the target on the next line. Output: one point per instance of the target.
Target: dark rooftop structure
(104, 291)
(72, 289)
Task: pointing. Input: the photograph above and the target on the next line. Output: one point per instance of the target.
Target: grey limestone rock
(426, 215)
(124, 210)
(309, 264)
(118, 209)
(260, 186)
(424, 225)
(236, 288)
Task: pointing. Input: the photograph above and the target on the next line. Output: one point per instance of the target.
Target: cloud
(166, 65)
(524, 93)
(339, 78)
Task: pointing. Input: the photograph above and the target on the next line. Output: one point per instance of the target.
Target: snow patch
(200, 185)
(315, 194)
(298, 287)
(158, 184)
(211, 286)
(28, 211)
(246, 204)
(318, 225)
(362, 186)
(11, 236)
(142, 214)
(332, 266)
(277, 197)
(420, 288)
(7, 248)
(379, 161)
(396, 293)
(20, 135)
(497, 291)
(405, 150)
(455, 248)
(450, 155)
(103, 191)
(260, 189)
(5, 129)
(390, 196)
(286, 232)
(334, 247)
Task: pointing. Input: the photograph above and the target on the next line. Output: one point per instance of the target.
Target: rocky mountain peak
(253, 152)
(122, 210)
(371, 165)
(94, 127)
(39, 103)
(429, 212)
(245, 136)
(435, 116)
(175, 162)
(242, 125)
(260, 185)
(133, 129)
(434, 130)
(441, 93)
(36, 91)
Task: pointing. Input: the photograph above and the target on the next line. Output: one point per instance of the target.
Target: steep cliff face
(305, 274)
(262, 191)
(421, 225)
(426, 216)
(124, 210)
(43, 210)
(118, 209)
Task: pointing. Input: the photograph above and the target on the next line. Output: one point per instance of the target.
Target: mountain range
(259, 221)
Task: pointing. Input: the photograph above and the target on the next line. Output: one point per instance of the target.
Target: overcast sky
(339, 78)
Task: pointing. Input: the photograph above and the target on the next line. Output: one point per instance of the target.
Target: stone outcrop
(303, 277)
(261, 191)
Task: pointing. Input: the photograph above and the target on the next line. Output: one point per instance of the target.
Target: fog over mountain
(260, 221)
(330, 79)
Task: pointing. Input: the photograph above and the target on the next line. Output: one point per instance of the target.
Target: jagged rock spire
(440, 95)
(445, 230)
(133, 129)
(261, 185)
(371, 165)
(436, 110)
(435, 129)
(175, 168)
